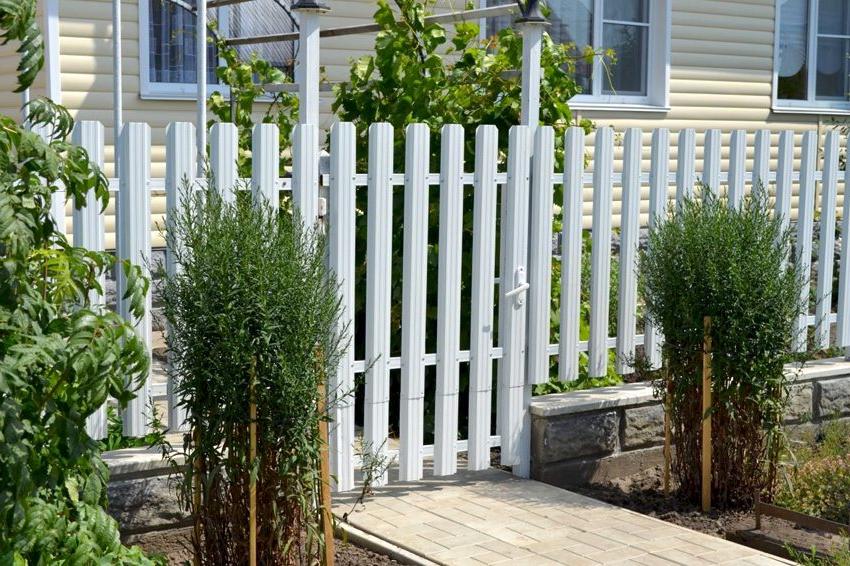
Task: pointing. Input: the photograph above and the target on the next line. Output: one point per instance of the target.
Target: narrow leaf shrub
(710, 260)
(251, 307)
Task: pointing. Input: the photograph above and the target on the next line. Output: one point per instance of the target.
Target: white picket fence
(523, 193)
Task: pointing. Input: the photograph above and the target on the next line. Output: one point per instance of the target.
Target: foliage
(838, 556)
(60, 355)
(246, 80)
(115, 438)
(712, 260)
(19, 22)
(820, 487)
(253, 312)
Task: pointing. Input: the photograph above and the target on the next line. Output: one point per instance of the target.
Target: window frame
(156, 90)
(811, 105)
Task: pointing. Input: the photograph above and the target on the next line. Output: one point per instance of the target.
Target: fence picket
(341, 249)
(805, 224)
(448, 299)
(540, 259)
(512, 413)
(265, 162)
(89, 233)
(843, 306)
(483, 274)
(600, 255)
(785, 162)
(658, 172)
(414, 302)
(134, 244)
(58, 200)
(180, 169)
(629, 228)
(305, 172)
(685, 157)
(826, 251)
(571, 254)
(224, 149)
(378, 282)
(761, 158)
(737, 168)
(711, 161)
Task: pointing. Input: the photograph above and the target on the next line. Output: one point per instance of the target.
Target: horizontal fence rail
(461, 270)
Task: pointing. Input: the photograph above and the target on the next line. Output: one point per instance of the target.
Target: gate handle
(521, 285)
(518, 290)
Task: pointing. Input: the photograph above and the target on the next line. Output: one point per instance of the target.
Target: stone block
(834, 397)
(146, 504)
(799, 402)
(644, 426)
(574, 436)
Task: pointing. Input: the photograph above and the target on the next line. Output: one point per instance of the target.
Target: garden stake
(252, 482)
(325, 469)
(196, 497)
(706, 416)
(667, 455)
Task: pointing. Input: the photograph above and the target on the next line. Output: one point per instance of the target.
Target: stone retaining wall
(599, 434)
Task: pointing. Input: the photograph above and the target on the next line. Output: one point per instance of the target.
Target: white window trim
(810, 106)
(657, 98)
(152, 90)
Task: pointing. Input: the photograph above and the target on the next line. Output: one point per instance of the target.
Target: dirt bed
(176, 546)
(644, 493)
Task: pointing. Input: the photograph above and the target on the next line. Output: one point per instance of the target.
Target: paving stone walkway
(492, 517)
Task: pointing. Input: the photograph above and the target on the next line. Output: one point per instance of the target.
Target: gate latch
(522, 286)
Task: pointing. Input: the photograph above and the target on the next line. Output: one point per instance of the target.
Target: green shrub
(820, 487)
(711, 260)
(251, 309)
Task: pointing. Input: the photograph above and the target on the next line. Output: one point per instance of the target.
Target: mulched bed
(644, 493)
(175, 545)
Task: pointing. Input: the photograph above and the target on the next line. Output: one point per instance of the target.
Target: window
(811, 55)
(637, 31)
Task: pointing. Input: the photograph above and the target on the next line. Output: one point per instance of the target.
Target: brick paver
(492, 517)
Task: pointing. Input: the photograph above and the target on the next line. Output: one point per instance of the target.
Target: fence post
(58, 198)
(413, 302)
(514, 391)
(265, 163)
(134, 244)
(201, 92)
(224, 149)
(307, 67)
(181, 165)
(305, 172)
(531, 26)
(89, 233)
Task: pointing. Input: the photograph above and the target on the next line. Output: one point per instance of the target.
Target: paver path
(492, 517)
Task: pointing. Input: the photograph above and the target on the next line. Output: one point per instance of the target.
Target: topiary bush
(252, 312)
(708, 259)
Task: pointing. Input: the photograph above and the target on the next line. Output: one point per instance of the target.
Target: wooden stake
(325, 472)
(196, 496)
(706, 416)
(667, 433)
(252, 455)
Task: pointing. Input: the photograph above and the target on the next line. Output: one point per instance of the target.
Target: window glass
(792, 68)
(627, 10)
(572, 22)
(172, 44)
(626, 76)
(832, 17)
(832, 68)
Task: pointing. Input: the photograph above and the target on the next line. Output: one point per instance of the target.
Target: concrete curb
(349, 532)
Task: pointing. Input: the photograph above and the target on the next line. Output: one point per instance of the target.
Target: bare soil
(644, 493)
(175, 545)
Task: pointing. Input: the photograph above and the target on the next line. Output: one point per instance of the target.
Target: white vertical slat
(540, 257)
(600, 255)
(341, 220)
(737, 167)
(571, 254)
(843, 307)
(134, 244)
(826, 250)
(89, 234)
(629, 228)
(448, 299)
(658, 170)
(378, 281)
(58, 199)
(483, 275)
(685, 157)
(512, 413)
(305, 172)
(785, 162)
(265, 162)
(805, 224)
(711, 161)
(414, 302)
(224, 149)
(180, 168)
(761, 159)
